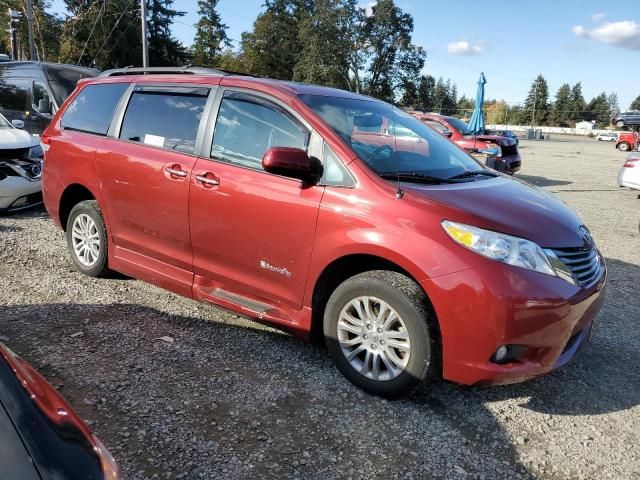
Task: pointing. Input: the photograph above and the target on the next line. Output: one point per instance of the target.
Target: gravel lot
(231, 399)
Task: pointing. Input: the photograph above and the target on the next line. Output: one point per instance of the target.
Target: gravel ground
(231, 399)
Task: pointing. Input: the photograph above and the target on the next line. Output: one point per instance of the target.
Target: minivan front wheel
(376, 327)
(87, 238)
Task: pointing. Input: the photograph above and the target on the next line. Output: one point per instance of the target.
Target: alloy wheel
(373, 338)
(86, 240)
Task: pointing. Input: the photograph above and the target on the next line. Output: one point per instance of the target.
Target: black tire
(92, 209)
(624, 147)
(409, 301)
(619, 124)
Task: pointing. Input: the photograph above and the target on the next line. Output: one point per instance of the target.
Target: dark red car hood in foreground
(513, 207)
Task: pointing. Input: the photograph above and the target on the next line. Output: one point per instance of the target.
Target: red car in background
(507, 161)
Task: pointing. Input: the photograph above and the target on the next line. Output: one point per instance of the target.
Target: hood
(510, 206)
(13, 138)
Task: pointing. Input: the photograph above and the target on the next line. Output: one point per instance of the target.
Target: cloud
(624, 34)
(462, 47)
(596, 17)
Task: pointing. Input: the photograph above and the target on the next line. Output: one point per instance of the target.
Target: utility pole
(32, 49)
(143, 20)
(14, 17)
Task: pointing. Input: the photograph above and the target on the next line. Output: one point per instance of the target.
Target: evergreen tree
(562, 106)
(465, 106)
(536, 109)
(598, 110)
(164, 49)
(578, 104)
(440, 94)
(426, 90)
(96, 32)
(635, 105)
(409, 95)
(211, 35)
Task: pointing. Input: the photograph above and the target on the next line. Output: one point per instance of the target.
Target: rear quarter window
(92, 109)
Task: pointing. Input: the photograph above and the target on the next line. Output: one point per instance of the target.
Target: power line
(91, 32)
(126, 9)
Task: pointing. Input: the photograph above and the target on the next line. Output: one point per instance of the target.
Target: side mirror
(289, 162)
(44, 106)
(17, 123)
(447, 133)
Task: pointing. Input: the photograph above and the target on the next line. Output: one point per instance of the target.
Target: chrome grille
(584, 264)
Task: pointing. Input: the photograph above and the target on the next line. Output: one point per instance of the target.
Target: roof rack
(186, 70)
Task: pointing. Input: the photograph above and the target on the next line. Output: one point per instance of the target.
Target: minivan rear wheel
(376, 327)
(87, 238)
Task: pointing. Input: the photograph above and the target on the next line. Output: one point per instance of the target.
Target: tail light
(632, 162)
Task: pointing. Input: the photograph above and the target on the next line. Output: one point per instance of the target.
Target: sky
(596, 42)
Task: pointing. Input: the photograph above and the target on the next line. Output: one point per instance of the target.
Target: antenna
(399, 191)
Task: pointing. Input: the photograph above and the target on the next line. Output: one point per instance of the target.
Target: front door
(145, 175)
(252, 232)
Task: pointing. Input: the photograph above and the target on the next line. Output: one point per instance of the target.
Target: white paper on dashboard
(154, 140)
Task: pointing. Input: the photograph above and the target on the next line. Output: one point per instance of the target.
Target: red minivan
(327, 214)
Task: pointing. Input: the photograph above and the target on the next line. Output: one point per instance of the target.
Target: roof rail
(187, 70)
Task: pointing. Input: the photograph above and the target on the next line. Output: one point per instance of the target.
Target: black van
(33, 91)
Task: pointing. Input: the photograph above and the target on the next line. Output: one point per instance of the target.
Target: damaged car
(20, 167)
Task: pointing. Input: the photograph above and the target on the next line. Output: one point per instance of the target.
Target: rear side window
(247, 127)
(92, 109)
(166, 120)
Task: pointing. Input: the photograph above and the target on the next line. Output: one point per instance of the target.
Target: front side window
(92, 109)
(247, 127)
(13, 94)
(164, 119)
(41, 99)
(391, 141)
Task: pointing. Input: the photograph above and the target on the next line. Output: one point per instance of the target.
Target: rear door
(252, 231)
(145, 172)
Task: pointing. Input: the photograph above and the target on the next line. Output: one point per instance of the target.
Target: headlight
(35, 152)
(498, 246)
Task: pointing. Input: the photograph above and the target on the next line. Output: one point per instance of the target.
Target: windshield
(4, 123)
(391, 141)
(459, 125)
(63, 80)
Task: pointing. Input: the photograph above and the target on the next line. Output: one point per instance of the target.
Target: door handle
(207, 180)
(175, 172)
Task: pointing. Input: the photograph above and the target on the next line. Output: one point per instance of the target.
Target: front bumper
(481, 309)
(18, 193)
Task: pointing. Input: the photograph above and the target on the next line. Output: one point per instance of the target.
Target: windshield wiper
(416, 177)
(473, 173)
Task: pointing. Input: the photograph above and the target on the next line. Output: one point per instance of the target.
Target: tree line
(336, 43)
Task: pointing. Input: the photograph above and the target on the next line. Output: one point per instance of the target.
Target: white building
(584, 128)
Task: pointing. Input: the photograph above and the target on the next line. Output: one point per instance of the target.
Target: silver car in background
(20, 167)
(629, 174)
